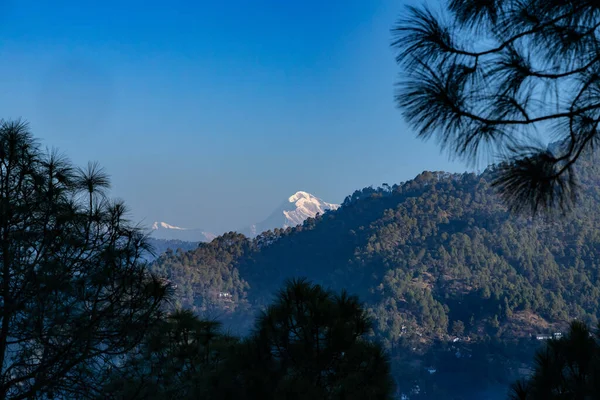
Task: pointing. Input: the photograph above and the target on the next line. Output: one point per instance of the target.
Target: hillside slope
(441, 250)
(437, 251)
(435, 259)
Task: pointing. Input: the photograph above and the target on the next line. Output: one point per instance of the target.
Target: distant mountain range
(164, 231)
(293, 211)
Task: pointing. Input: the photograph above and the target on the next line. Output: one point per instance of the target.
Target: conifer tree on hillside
(309, 344)
(74, 297)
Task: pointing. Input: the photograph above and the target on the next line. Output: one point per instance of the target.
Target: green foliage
(566, 368)
(489, 75)
(442, 248)
(431, 252)
(182, 357)
(207, 278)
(74, 295)
(315, 341)
(458, 328)
(310, 344)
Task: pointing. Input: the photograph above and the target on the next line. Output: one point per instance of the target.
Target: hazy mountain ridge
(165, 231)
(159, 246)
(294, 211)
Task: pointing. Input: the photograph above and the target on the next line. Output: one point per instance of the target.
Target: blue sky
(209, 114)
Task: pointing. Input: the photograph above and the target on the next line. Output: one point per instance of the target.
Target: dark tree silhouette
(311, 344)
(73, 296)
(490, 74)
(566, 368)
(181, 358)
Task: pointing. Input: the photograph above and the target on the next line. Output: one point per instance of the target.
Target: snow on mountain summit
(163, 225)
(293, 211)
(305, 206)
(300, 195)
(162, 230)
(298, 207)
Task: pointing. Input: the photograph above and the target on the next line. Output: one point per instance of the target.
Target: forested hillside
(435, 258)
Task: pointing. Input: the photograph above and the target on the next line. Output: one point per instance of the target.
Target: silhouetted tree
(494, 73)
(566, 368)
(310, 344)
(181, 358)
(73, 296)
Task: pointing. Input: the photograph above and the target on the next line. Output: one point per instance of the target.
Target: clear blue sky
(209, 114)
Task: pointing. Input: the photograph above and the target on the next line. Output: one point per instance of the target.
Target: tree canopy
(74, 296)
(565, 368)
(490, 75)
(309, 344)
(316, 342)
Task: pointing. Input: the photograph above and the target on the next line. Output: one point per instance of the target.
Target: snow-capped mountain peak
(298, 207)
(305, 206)
(163, 225)
(163, 230)
(293, 211)
(300, 195)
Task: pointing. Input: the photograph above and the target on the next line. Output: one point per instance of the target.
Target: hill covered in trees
(435, 259)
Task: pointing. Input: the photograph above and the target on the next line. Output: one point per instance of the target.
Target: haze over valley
(293, 211)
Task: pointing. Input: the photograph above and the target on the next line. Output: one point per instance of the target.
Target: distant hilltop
(165, 231)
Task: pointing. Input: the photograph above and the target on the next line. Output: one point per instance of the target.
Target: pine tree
(74, 296)
(490, 75)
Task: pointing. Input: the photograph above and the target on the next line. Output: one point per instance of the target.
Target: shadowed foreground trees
(310, 344)
(315, 342)
(567, 368)
(81, 316)
(182, 358)
(73, 295)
